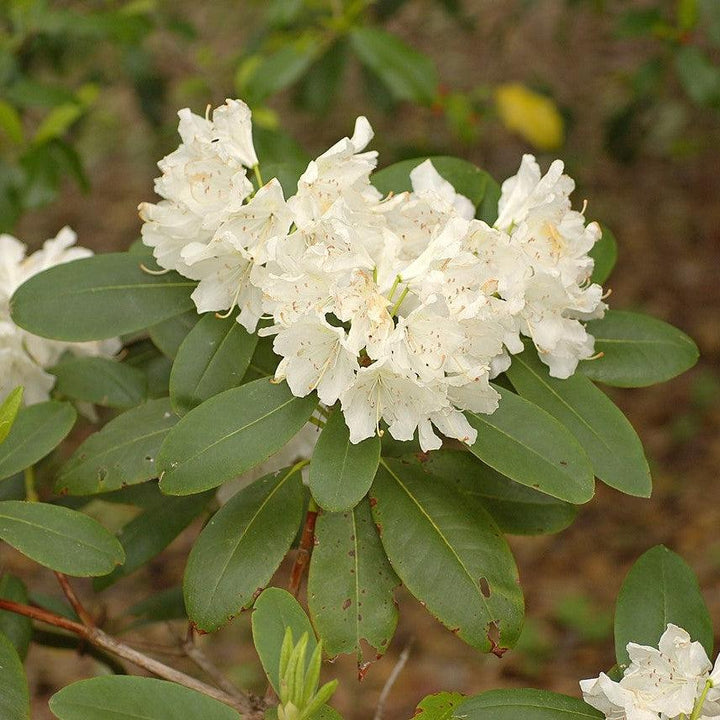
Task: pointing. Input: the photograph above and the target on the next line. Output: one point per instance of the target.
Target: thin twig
(74, 600)
(303, 555)
(385, 692)
(194, 653)
(100, 639)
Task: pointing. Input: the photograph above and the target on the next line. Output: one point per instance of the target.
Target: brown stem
(73, 599)
(303, 555)
(100, 639)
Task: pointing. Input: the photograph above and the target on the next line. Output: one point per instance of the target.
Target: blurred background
(627, 93)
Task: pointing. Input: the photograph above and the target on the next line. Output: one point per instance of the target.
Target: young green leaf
(149, 533)
(659, 589)
(341, 472)
(18, 629)
(614, 449)
(123, 697)
(275, 611)
(408, 74)
(98, 297)
(168, 335)
(240, 548)
(212, 358)
(529, 446)
(465, 574)
(229, 434)
(122, 453)
(517, 510)
(9, 410)
(14, 698)
(637, 350)
(101, 381)
(467, 179)
(350, 584)
(526, 704)
(37, 430)
(59, 538)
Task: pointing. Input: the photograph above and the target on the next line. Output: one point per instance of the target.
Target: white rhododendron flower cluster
(402, 307)
(24, 358)
(674, 681)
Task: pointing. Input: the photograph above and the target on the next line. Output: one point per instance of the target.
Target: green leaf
(9, 410)
(122, 453)
(439, 706)
(212, 358)
(517, 510)
(38, 430)
(98, 297)
(614, 449)
(604, 253)
(319, 86)
(166, 605)
(524, 443)
(148, 534)
(123, 697)
(238, 551)
(17, 629)
(699, 76)
(280, 156)
(408, 74)
(229, 434)
(10, 122)
(14, 698)
(261, 76)
(57, 122)
(59, 538)
(350, 584)
(169, 334)
(467, 179)
(637, 350)
(465, 573)
(526, 704)
(101, 381)
(660, 589)
(341, 473)
(275, 610)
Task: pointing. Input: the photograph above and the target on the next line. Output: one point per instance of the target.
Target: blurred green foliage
(55, 61)
(683, 38)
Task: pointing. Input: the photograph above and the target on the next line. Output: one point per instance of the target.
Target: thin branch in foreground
(385, 692)
(73, 599)
(100, 639)
(194, 653)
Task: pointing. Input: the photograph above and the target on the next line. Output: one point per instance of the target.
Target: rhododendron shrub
(381, 372)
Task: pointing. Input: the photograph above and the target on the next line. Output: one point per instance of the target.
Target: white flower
(25, 357)
(340, 173)
(233, 128)
(403, 307)
(428, 184)
(381, 393)
(315, 357)
(672, 675)
(664, 682)
(615, 701)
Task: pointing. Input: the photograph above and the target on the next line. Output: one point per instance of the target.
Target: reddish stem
(303, 555)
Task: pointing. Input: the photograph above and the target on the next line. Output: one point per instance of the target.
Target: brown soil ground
(665, 212)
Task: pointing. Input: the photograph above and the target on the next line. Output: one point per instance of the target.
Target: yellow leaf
(533, 116)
